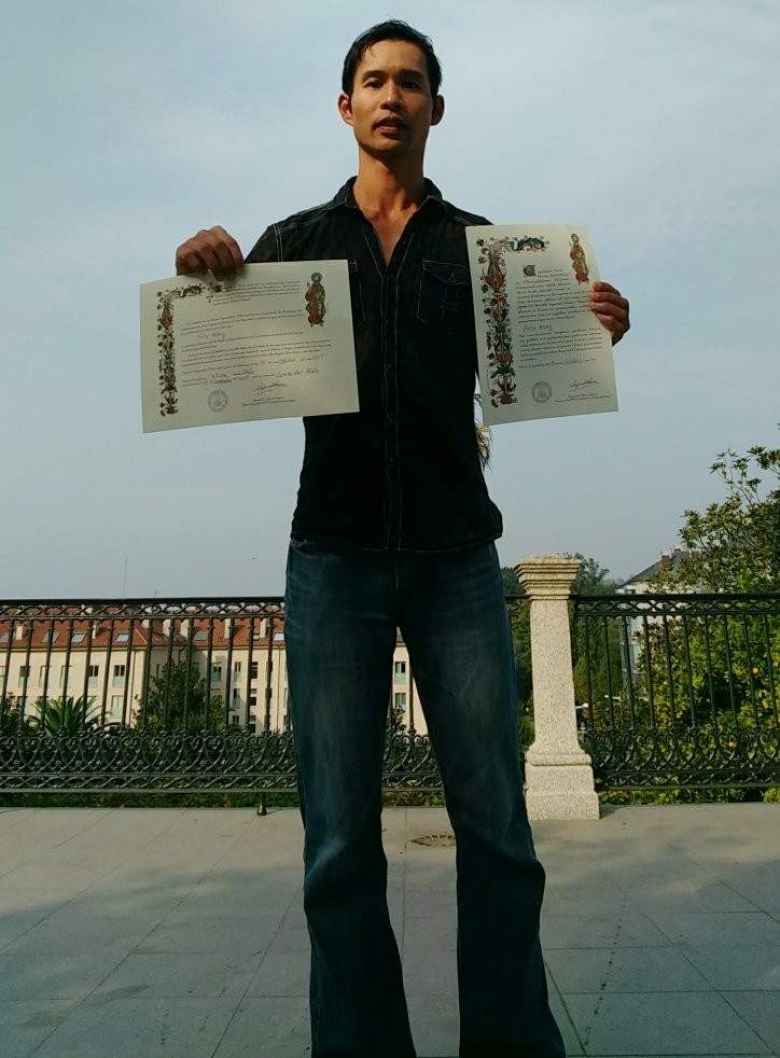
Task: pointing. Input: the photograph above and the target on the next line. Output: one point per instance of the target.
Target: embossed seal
(541, 392)
(218, 399)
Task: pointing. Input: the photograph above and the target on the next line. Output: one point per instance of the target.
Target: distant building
(642, 583)
(108, 662)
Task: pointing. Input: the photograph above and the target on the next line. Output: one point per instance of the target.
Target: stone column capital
(547, 576)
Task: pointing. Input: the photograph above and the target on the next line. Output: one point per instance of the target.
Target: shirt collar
(345, 198)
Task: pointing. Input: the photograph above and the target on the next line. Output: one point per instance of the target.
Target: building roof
(672, 558)
(101, 634)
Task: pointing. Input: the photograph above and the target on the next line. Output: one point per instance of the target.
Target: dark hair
(394, 29)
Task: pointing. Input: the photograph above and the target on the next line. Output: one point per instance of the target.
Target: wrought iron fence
(161, 695)
(678, 690)
(189, 695)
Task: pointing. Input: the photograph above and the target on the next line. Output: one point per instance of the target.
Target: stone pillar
(558, 772)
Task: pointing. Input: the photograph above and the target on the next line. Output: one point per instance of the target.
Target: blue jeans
(343, 606)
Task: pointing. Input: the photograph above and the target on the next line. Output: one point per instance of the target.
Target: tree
(181, 684)
(734, 544)
(715, 678)
(61, 716)
(595, 646)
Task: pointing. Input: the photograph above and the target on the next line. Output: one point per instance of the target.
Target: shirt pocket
(444, 290)
(356, 292)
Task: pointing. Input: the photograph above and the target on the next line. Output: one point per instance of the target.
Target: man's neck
(382, 192)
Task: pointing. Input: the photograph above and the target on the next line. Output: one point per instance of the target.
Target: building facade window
(216, 673)
(253, 670)
(400, 668)
(400, 699)
(94, 670)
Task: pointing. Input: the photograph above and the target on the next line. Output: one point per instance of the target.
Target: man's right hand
(212, 249)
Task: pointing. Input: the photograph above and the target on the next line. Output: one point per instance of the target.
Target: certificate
(542, 352)
(273, 341)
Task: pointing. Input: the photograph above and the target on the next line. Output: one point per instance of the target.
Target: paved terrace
(138, 933)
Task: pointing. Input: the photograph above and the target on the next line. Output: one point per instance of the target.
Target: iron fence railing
(163, 695)
(189, 695)
(678, 690)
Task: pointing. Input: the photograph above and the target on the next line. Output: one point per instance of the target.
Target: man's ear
(438, 110)
(344, 104)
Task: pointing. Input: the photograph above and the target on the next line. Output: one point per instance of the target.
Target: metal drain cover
(436, 840)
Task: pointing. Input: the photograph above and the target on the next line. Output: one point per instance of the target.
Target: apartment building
(108, 661)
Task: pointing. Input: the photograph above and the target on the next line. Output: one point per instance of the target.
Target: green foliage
(9, 720)
(60, 716)
(396, 723)
(594, 683)
(733, 545)
(719, 665)
(183, 688)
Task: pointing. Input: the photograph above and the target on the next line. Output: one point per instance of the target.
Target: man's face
(391, 108)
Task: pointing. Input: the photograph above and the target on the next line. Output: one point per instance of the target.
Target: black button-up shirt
(404, 472)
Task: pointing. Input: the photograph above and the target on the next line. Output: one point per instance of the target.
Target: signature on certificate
(263, 387)
(583, 382)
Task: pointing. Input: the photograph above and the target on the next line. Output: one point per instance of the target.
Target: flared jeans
(343, 606)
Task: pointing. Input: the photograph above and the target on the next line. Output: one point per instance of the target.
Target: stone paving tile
(435, 1022)
(238, 935)
(61, 972)
(629, 928)
(267, 1028)
(27, 1022)
(83, 931)
(716, 927)
(761, 1010)
(562, 1015)
(695, 1023)
(686, 895)
(759, 883)
(124, 1026)
(736, 966)
(282, 974)
(204, 878)
(14, 924)
(290, 939)
(171, 976)
(623, 970)
(28, 888)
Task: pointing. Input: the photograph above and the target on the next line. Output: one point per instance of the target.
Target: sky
(129, 127)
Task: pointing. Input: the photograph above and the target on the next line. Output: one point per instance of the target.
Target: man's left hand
(611, 309)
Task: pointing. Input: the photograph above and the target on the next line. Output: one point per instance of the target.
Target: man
(393, 527)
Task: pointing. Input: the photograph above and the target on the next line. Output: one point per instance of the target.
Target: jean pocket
(444, 290)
